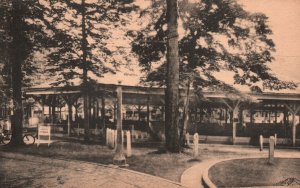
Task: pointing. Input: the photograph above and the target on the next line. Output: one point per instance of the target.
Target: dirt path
(17, 170)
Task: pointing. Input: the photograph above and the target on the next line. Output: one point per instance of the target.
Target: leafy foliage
(31, 40)
(81, 32)
(217, 36)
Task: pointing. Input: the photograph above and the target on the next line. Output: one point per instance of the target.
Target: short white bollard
(142, 135)
(187, 137)
(275, 139)
(261, 142)
(129, 152)
(271, 149)
(163, 137)
(136, 135)
(196, 145)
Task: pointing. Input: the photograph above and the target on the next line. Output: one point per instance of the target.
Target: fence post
(129, 152)
(187, 137)
(261, 142)
(271, 150)
(196, 144)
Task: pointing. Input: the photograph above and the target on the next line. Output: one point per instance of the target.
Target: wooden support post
(103, 114)
(139, 114)
(226, 116)
(115, 113)
(69, 99)
(196, 145)
(294, 109)
(251, 116)
(86, 115)
(276, 109)
(97, 109)
(49, 112)
(148, 114)
(115, 139)
(53, 110)
(43, 109)
(69, 118)
(90, 110)
(119, 158)
(294, 124)
(163, 113)
(235, 108)
(271, 150)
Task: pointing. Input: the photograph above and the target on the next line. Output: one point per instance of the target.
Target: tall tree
(81, 33)
(172, 95)
(25, 36)
(216, 36)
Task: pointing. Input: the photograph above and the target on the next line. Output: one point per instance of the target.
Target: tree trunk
(119, 158)
(172, 95)
(69, 117)
(17, 55)
(185, 116)
(84, 76)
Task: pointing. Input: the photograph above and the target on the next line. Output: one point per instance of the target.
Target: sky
(284, 20)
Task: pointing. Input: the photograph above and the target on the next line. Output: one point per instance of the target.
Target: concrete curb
(192, 177)
(208, 183)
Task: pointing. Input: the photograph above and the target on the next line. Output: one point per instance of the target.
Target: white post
(275, 141)
(187, 137)
(129, 152)
(261, 142)
(271, 150)
(196, 144)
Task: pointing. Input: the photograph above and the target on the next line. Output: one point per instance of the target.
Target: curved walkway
(194, 176)
(18, 170)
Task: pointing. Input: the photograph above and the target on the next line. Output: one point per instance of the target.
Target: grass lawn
(256, 172)
(146, 157)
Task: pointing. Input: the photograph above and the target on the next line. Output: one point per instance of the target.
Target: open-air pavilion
(215, 114)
